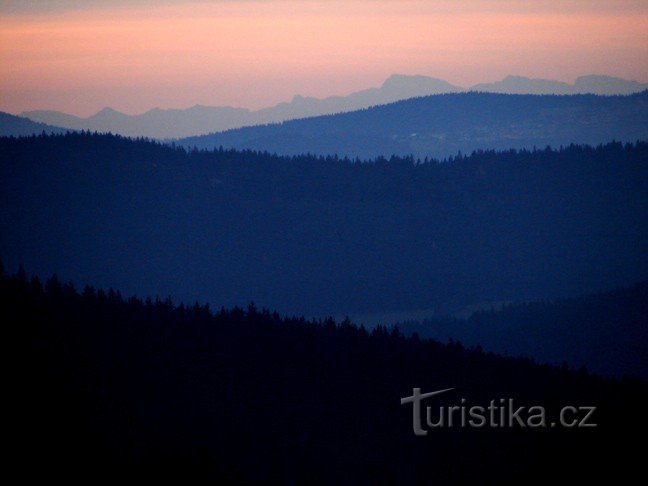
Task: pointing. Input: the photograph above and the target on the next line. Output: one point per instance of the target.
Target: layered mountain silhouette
(605, 332)
(116, 387)
(592, 84)
(197, 120)
(156, 123)
(325, 236)
(172, 123)
(442, 125)
(17, 126)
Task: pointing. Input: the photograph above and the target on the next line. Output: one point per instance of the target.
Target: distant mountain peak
(416, 80)
(201, 119)
(300, 100)
(108, 111)
(591, 83)
(198, 107)
(602, 84)
(602, 77)
(516, 77)
(400, 78)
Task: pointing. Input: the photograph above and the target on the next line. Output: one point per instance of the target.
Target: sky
(133, 55)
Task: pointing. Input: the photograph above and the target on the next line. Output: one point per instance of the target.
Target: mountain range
(442, 125)
(197, 120)
(174, 123)
(592, 84)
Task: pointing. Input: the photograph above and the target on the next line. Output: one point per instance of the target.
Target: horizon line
(298, 96)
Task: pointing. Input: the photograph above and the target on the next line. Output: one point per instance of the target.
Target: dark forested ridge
(105, 387)
(321, 236)
(605, 332)
(16, 126)
(442, 125)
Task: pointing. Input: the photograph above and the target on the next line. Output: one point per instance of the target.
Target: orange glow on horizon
(256, 54)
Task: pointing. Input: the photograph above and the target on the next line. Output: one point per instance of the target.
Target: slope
(16, 126)
(442, 125)
(325, 235)
(103, 387)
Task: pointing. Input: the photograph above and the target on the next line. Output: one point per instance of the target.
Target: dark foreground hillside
(605, 332)
(101, 387)
(321, 236)
(441, 125)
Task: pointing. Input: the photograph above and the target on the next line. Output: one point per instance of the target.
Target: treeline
(605, 332)
(324, 235)
(17, 126)
(102, 386)
(442, 125)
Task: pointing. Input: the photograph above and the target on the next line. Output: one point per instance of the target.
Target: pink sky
(133, 56)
